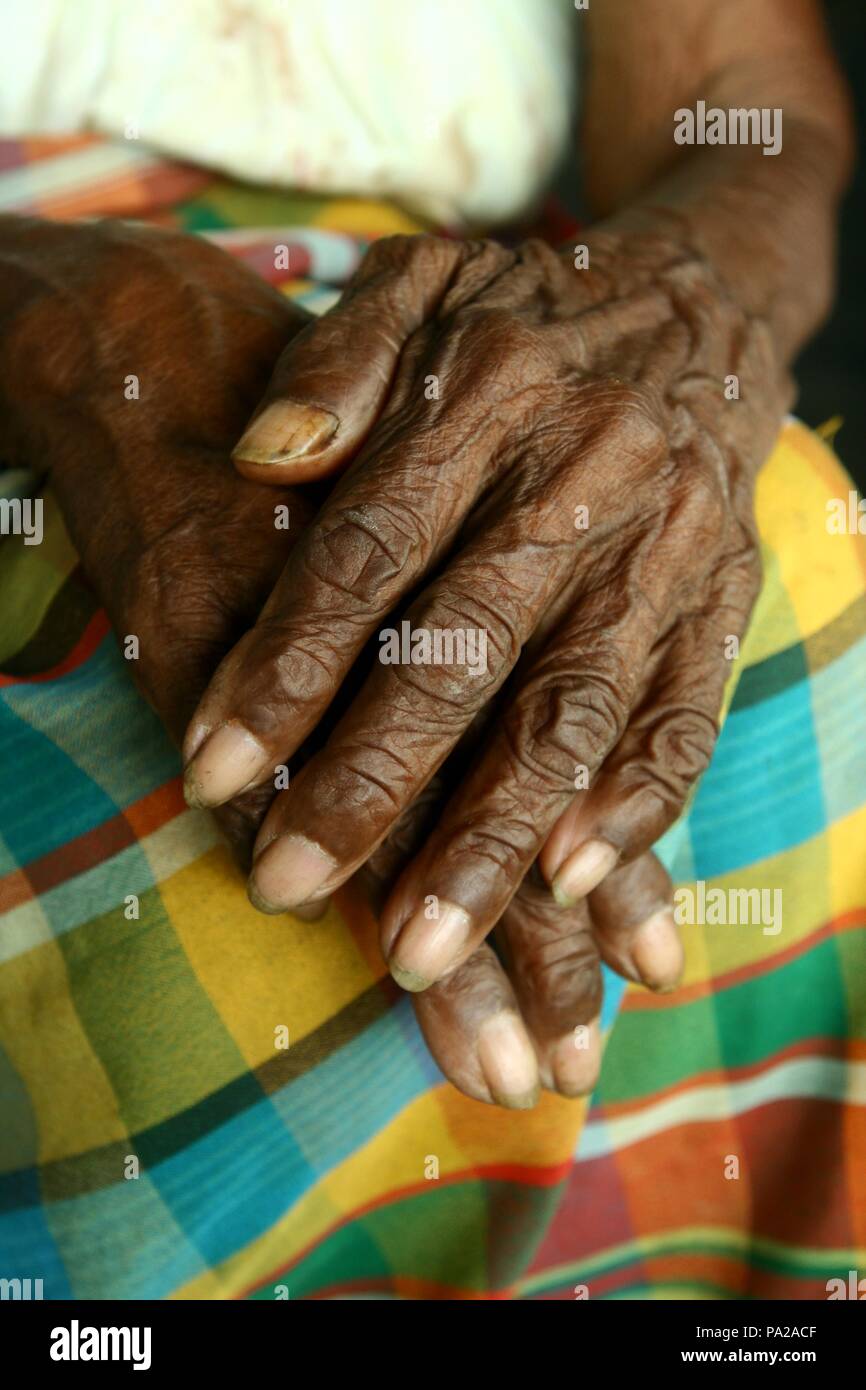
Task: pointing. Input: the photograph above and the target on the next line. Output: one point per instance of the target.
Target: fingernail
(289, 871)
(657, 951)
(259, 903)
(225, 763)
(576, 1060)
(286, 431)
(426, 949)
(508, 1061)
(582, 871)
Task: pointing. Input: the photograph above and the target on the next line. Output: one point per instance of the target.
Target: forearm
(766, 223)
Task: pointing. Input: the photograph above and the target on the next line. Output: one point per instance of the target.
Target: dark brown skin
(183, 553)
(556, 388)
(601, 389)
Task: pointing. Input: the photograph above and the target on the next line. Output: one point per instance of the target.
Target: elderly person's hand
(557, 453)
(182, 553)
(556, 459)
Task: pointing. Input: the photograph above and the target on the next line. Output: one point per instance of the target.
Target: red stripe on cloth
(138, 188)
(78, 855)
(156, 809)
(92, 636)
(260, 258)
(95, 846)
(409, 1288)
(134, 193)
(15, 889)
(711, 1270)
(516, 1173)
(12, 155)
(36, 147)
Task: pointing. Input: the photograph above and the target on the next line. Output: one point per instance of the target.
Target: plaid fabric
(84, 175)
(158, 1141)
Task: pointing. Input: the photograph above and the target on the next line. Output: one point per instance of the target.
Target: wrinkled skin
(608, 645)
(183, 553)
(558, 389)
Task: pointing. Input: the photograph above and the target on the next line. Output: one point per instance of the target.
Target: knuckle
(277, 668)
(619, 416)
(703, 505)
(507, 846)
(744, 576)
(679, 746)
(468, 613)
(363, 551)
(478, 265)
(559, 962)
(372, 782)
(465, 649)
(388, 253)
(443, 695)
(502, 345)
(369, 785)
(590, 714)
(405, 255)
(558, 723)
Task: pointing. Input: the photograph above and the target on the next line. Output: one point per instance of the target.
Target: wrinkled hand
(183, 553)
(550, 452)
(128, 356)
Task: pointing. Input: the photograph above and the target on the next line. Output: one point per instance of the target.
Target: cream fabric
(458, 107)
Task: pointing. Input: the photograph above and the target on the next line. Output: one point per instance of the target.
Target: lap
(199, 1094)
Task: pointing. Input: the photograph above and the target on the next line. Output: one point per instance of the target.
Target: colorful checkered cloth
(156, 1138)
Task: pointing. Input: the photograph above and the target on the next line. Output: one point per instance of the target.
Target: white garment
(457, 107)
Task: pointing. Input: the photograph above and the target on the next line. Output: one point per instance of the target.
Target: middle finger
(407, 718)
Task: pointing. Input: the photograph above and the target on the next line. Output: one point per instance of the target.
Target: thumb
(332, 380)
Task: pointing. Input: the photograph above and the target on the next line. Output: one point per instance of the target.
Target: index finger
(388, 521)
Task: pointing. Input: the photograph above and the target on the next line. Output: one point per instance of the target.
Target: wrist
(631, 254)
(767, 226)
